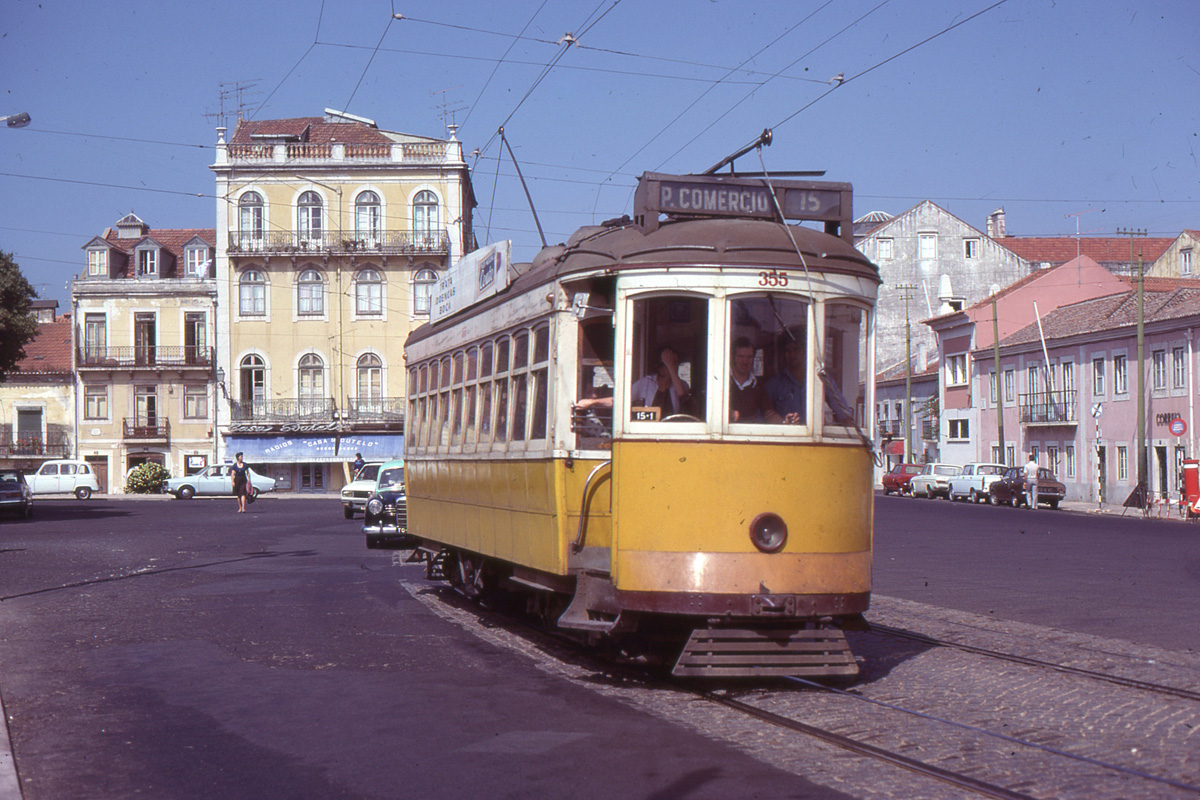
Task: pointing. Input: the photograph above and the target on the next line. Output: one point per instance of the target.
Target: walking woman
(241, 482)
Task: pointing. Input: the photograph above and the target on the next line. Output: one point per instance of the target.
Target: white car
(64, 476)
(974, 481)
(934, 480)
(214, 480)
(356, 492)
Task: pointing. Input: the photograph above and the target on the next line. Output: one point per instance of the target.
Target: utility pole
(1142, 487)
(999, 385)
(907, 288)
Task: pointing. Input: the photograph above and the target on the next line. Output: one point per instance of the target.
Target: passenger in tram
(663, 388)
(748, 401)
(786, 390)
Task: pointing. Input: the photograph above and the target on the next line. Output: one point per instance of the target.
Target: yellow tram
(656, 430)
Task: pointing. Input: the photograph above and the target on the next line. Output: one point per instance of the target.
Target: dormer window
(97, 263)
(197, 262)
(147, 264)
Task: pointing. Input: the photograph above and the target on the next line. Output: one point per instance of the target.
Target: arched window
(311, 384)
(370, 382)
(250, 220)
(252, 388)
(309, 221)
(366, 218)
(423, 282)
(252, 294)
(310, 293)
(426, 217)
(368, 293)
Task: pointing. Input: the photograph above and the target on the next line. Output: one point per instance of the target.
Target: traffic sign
(1178, 426)
(1097, 410)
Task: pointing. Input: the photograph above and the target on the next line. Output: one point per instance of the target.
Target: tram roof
(624, 246)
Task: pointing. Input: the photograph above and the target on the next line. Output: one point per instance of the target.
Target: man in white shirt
(1031, 482)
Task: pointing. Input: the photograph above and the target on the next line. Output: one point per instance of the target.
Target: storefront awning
(323, 448)
(895, 448)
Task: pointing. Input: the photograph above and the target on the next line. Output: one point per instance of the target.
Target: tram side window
(540, 376)
(501, 387)
(845, 359)
(428, 431)
(591, 416)
(670, 342)
(456, 401)
(768, 347)
(412, 426)
(520, 384)
(470, 392)
(444, 404)
(485, 394)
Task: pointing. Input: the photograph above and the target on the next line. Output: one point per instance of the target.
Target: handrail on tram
(577, 545)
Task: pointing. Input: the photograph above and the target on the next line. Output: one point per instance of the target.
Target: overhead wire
(496, 68)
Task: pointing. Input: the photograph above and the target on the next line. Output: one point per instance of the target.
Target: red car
(899, 478)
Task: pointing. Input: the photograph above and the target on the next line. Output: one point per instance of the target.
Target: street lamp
(17, 120)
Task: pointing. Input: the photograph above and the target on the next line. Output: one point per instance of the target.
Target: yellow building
(143, 320)
(331, 235)
(37, 397)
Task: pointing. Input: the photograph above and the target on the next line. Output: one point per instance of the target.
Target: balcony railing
(1048, 408)
(147, 430)
(139, 356)
(283, 410)
(341, 243)
(929, 429)
(387, 409)
(32, 447)
(889, 427)
(397, 153)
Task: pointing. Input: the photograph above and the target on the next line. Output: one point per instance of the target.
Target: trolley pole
(1142, 487)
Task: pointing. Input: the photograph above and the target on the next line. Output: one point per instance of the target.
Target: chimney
(995, 223)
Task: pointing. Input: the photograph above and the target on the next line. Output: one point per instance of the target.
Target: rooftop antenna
(447, 111)
(1077, 215)
(233, 100)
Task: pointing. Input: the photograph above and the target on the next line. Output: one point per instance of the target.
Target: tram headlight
(768, 532)
(374, 506)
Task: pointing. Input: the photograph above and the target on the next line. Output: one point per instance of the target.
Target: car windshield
(946, 470)
(368, 473)
(391, 477)
(988, 469)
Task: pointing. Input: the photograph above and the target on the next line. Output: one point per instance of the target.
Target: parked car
(897, 479)
(934, 480)
(1010, 489)
(64, 476)
(385, 522)
(15, 494)
(356, 493)
(973, 482)
(214, 480)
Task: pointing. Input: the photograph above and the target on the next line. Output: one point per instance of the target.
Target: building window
(1098, 377)
(997, 454)
(1178, 368)
(195, 402)
(960, 429)
(1070, 461)
(1122, 462)
(1120, 383)
(147, 263)
(956, 370)
(145, 406)
(370, 378)
(95, 402)
(1010, 388)
(252, 294)
(1031, 377)
(1185, 261)
(253, 384)
(1011, 452)
(926, 246)
(1068, 375)
(426, 218)
(95, 338)
(885, 249)
(198, 262)
(423, 282)
(970, 248)
(992, 386)
(310, 223)
(250, 220)
(368, 293)
(1158, 370)
(97, 263)
(310, 293)
(1052, 458)
(366, 218)
(311, 382)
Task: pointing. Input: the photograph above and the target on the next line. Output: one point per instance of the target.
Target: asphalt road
(172, 649)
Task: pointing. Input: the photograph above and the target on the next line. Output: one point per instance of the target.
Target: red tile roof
(1111, 313)
(171, 239)
(1105, 250)
(49, 352)
(308, 130)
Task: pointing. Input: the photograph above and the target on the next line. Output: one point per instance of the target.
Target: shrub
(146, 478)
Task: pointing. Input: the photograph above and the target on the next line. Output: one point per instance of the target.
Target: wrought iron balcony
(32, 447)
(385, 409)
(340, 243)
(889, 427)
(170, 357)
(284, 410)
(1048, 408)
(929, 429)
(147, 430)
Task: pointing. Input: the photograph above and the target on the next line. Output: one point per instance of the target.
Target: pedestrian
(1031, 481)
(241, 482)
(357, 464)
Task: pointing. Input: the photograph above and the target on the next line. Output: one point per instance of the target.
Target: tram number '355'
(772, 278)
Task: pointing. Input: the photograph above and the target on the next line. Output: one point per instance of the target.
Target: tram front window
(768, 357)
(670, 340)
(845, 359)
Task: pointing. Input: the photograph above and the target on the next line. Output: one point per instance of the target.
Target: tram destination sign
(717, 196)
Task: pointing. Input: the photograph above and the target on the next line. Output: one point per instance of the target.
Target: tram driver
(663, 388)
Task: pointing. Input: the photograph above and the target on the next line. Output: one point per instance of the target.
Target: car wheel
(974, 496)
(348, 512)
(186, 493)
(929, 495)
(995, 498)
(83, 493)
(1054, 504)
(886, 491)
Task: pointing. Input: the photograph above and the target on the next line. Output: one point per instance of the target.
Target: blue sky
(1050, 108)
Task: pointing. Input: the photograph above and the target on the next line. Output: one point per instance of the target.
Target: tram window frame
(856, 405)
(487, 405)
(501, 404)
(519, 387)
(770, 346)
(456, 397)
(443, 440)
(412, 425)
(642, 344)
(470, 394)
(539, 375)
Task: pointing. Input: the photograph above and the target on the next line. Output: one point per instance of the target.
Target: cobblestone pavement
(1134, 728)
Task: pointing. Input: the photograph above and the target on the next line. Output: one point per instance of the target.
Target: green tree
(17, 324)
